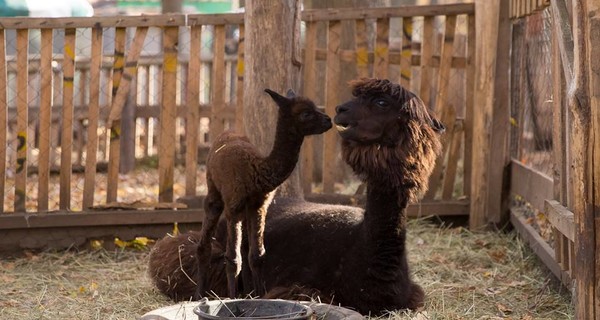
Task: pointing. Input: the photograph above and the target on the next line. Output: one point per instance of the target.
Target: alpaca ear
(290, 94)
(437, 125)
(279, 99)
(417, 109)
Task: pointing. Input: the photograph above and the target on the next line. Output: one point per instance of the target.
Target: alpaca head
(301, 115)
(389, 137)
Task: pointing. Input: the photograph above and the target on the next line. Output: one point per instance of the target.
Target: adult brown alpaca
(241, 183)
(355, 257)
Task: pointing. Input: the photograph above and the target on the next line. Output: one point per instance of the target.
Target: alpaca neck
(385, 213)
(384, 233)
(279, 164)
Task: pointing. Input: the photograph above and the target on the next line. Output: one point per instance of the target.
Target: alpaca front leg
(213, 207)
(256, 231)
(233, 256)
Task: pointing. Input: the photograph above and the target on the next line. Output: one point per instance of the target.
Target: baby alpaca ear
(290, 94)
(279, 99)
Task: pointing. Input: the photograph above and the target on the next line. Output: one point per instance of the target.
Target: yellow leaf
(513, 121)
(120, 243)
(93, 286)
(96, 244)
(175, 229)
(143, 241)
(82, 289)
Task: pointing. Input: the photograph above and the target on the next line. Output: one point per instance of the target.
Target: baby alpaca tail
(173, 267)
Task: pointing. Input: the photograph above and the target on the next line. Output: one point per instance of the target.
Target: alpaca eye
(381, 103)
(306, 115)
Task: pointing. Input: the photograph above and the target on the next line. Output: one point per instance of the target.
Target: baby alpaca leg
(233, 256)
(213, 207)
(256, 230)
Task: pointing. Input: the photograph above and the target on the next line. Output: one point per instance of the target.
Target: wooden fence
(124, 87)
(558, 180)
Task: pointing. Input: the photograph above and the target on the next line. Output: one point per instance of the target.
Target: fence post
(486, 26)
(497, 208)
(584, 101)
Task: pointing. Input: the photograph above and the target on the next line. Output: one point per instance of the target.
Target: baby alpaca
(241, 182)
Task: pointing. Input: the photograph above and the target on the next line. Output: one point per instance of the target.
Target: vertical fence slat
(331, 100)
(381, 56)
(193, 118)
(239, 113)
(3, 119)
(218, 83)
(66, 144)
(443, 80)
(426, 57)
(91, 157)
(309, 90)
(115, 125)
(448, 117)
(455, 139)
(406, 53)
(469, 103)
(45, 118)
(22, 119)
(168, 114)
(145, 136)
(362, 49)
(559, 125)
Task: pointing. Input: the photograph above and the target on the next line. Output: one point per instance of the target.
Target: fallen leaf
(504, 310)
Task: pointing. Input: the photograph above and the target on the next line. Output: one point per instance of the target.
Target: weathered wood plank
(455, 137)
(591, 14)
(381, 63)
(562, 29)
(91, 158)
(3, 119)
(167, 137)
(96, 22)
(497, 209)
(534, 186)
(45, 119)
(129, 73)
(559, 126)
(115, 125)
(541, 248)
(22, 115)
(443, 77)
(309, 90)
(192, 121)
(66, 145)
(561, 218)
(448, 118)
(406, 52)
(469, 104)
(487, 21)
(387, 12)
(426, 56)
(362, 48)
(217, 124)
(239, 108)
(331, 100)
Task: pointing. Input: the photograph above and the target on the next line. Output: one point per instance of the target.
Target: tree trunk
(272, 40)
(172, 6)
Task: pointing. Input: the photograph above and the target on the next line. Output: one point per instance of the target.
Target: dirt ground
(465, 275)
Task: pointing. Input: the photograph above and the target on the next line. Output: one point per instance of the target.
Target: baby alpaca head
(301, 115)
(389, 137)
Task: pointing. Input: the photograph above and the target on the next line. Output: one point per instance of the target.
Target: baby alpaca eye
(306, 115)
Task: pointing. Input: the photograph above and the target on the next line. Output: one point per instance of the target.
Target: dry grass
(465, 275)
